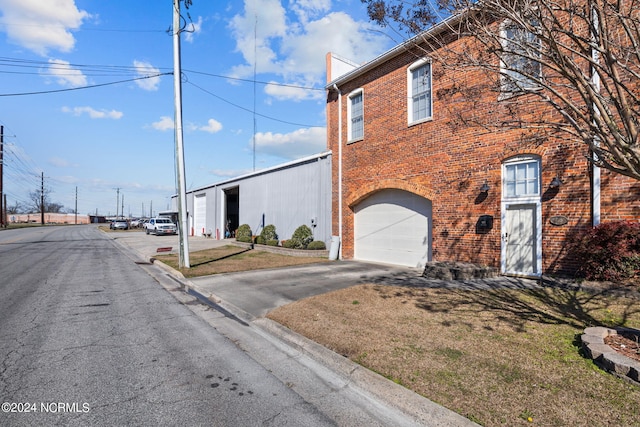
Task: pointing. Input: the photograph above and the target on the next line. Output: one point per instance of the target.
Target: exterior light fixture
(555, 182)
(485, 187)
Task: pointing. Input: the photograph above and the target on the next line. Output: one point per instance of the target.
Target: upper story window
(419, 90)
(356, 115)
(521, 177)
(519, 64)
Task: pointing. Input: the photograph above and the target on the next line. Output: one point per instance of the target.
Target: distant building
(49, 218)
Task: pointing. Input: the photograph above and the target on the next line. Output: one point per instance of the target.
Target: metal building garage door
(200, 214)
(393, 226)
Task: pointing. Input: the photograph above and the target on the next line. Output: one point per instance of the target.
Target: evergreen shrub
(317, 245)
(244, 234)
(269, 233)
(301, 237)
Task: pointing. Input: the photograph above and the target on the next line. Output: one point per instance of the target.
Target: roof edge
(439, 28)
(262, 171)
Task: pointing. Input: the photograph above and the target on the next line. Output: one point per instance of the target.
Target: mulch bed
(626, 343)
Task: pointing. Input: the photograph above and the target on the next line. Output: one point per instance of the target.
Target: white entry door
(520, 242)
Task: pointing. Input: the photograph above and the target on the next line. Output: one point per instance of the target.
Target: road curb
(182, 279)
(418, 407)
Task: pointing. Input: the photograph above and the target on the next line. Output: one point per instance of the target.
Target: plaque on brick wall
(559, 220)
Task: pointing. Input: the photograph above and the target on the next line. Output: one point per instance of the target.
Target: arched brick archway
(387, 184)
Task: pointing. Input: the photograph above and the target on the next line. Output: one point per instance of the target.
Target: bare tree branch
(576, 60)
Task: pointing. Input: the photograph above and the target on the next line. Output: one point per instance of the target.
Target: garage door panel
(393, 226)
(200, 214)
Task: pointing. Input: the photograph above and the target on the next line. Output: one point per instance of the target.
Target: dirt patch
(498, 357)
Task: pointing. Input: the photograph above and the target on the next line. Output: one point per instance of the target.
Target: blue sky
(119, 134)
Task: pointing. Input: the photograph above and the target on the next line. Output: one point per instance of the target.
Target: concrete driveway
(255, 293)
(260, 291)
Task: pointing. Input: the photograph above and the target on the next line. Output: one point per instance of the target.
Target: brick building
(411, 185)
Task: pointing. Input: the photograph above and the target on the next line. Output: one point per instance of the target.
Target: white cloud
(41, 25)
(294, 145)
(193, 28)
(291, 92)
(93, 113)
(145, 69)
(306, 9)
(295, 49)
(65, 74)
(165, 123)
(59, 162)
(212, 126)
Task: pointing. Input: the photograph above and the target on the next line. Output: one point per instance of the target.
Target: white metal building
(287, 196)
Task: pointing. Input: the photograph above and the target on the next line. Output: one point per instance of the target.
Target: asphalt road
(87, 337)
(92, 333)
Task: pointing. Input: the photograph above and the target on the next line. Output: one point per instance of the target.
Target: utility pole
(76, 209)
(42, 200)
(180, 178)
(122, 211)
(117, 201)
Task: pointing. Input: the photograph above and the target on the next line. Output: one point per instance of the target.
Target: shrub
(610, 251)
(272, 242)
(301, 237)
(316, 245)
(244, 234)
(269, 233)
(289, 244)
(260, 240)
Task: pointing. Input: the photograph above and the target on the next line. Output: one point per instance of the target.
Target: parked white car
(160, 226)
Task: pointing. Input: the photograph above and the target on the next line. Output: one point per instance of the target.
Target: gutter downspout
(595, 170)
(339, 168)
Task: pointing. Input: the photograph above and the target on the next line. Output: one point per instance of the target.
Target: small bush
(610, 251)
(260, 240)
(244, 234)
(289, 244)
(301, 237)
(273, 242)
(316, 245)
(269, 233)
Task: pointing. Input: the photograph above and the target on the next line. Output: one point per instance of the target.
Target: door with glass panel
(521, 210)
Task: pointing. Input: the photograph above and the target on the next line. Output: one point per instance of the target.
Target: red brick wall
(447, 163)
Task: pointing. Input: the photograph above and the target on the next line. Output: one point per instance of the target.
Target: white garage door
(393, 226)
(200, 214)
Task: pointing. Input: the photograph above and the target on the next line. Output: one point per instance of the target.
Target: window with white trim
(420, 104)
(521, 177)
(519, 65)
(356, 115)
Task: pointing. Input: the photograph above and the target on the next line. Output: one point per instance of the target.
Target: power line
(119, 69)
(84, 87)
(248, 109)
(255, 81)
